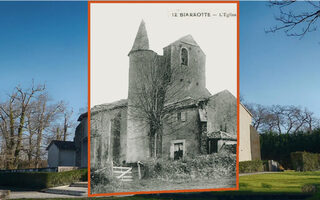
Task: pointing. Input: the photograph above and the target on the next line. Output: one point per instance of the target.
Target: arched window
(184, 56)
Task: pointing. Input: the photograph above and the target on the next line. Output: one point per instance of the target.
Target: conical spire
(141, 42)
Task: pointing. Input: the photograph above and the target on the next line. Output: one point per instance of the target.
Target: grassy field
(157, 185)
(251, 187)
(286, 182)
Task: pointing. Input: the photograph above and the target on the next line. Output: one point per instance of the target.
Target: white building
(61, 153)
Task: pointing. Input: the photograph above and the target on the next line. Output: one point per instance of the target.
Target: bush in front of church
(218, 165)
(101, 176)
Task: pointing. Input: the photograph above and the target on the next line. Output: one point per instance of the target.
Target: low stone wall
(47, 169)
(66, 168)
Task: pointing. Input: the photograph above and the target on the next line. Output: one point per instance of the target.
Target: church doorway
(212, 146)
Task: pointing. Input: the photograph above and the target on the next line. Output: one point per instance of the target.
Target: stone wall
(187, 131)
(189, 79)
(222, 113)
(141, 63)
(102, 136)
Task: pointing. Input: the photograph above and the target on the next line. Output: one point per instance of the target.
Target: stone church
(196, 121)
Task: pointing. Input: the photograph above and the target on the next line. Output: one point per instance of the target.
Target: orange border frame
(238, 103)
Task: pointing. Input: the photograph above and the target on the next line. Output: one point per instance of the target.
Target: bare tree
(25, 120)
(45, 114)
(13, 116)
(282, 119)
(295, 21)
(258, 112)
(154, 89)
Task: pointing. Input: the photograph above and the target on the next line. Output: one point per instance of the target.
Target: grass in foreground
(286, 182)
(277, 183)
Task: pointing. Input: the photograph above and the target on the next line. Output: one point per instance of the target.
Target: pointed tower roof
(141, 42)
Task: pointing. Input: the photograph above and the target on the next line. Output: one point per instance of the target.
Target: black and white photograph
(163, 97)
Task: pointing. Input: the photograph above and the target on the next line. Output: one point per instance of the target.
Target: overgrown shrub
(205, 166)
(229, 148)
(250, 166)
(42, 179)
(101, 177)
(304, 161)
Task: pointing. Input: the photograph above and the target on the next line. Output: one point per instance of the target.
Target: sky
(274, 68)
(111, 41)
(47, 42)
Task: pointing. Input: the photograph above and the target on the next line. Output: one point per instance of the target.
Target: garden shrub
(101, 177)
(42, 179)
(229, 148)
(202, 167)
(250, 166)
(304, 161)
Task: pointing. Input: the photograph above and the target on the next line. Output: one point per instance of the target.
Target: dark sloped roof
(63, 145)
(106, 106)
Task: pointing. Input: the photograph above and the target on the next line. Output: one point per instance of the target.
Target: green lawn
(286, 182)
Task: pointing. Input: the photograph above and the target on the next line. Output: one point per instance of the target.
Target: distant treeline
(282, 119)
(275, 146)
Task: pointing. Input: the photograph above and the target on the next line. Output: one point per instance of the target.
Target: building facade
(196, 122)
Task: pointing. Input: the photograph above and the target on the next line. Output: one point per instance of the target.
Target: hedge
(278, 147)
(42, 180)
(305, 161)
(250, 166)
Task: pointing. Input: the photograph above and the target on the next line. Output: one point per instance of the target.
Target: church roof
(141, 42)
(195, 100)
(221, 135)
(188, 39)
(106, 106)
(63, 145)
(223, 92)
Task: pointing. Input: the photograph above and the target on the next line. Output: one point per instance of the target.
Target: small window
(184, 116)
(179, 116)
(184, 56)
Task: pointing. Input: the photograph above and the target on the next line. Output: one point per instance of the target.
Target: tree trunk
(19, 138)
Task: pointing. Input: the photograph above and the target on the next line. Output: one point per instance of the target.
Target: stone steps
(67, 190)
(79, 184)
